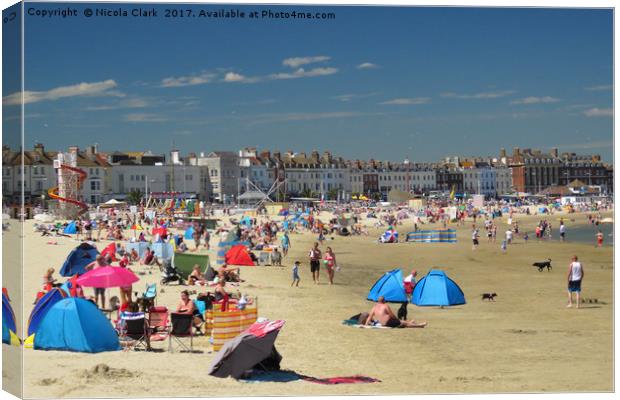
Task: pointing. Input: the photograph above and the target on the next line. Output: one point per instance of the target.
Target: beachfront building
(503, 179)
(449, 179)
(224, 174)
(96, 187)
(149, 175)
(356, 177)
(34, 173)
(586, 168)
(479, 178)
(253, 172)
(533, 171)
(314, 175)
(37, 174)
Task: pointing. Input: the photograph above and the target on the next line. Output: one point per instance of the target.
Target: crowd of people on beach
(262, 232)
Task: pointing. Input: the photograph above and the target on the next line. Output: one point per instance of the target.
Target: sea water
(585, 233)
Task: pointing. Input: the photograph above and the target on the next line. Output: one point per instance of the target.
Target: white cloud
(80, 89)
(599, 112)
(536, 100)
(598, 88)
(478, 96)
(407, 101)
(367, 65)
(235, 77)
(302, 73)
(135, 102)
(349, 97)
(288, 117)
(295, 62)
(144, 118)
(190, 80)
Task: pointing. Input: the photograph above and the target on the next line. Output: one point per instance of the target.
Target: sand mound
(105, 372)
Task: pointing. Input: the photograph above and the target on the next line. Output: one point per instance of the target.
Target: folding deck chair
(182, 326)
(135, 331)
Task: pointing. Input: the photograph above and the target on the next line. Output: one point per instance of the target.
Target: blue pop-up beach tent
(70, 229)
(390, 286)
(8, 316)
(8, 323)
(43, 305)
(436, 289)
(78, 259)
(75, 324)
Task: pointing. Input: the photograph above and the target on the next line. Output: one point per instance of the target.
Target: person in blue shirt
(286, 244)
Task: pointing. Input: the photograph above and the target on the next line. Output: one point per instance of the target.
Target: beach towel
(341, 379)
(290, 376)
(353, 323)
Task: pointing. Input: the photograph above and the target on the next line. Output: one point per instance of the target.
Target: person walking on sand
(562, 231)
(575, 277)
(296, 274)
(315, 262)
(599, 239)
(474, 237)
(286, 244)
(330, 264)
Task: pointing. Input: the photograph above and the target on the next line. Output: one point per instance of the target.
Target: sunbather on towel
(382, 313)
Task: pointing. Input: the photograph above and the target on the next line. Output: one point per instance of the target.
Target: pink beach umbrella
(108, 277)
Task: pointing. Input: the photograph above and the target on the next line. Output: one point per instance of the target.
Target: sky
(387, 83)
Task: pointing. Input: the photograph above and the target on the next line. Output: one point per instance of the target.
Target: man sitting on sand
(383, 314)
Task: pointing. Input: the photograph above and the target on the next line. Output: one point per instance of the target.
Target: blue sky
(381, 82)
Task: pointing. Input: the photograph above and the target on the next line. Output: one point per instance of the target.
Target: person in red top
(124, 262)
(599, 239)
(409, 282)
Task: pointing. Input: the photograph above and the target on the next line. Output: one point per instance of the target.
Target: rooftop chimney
(39, 148)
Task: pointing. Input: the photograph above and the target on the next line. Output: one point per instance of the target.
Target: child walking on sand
(295, 274)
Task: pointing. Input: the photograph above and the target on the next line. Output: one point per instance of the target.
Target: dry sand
(526, 341)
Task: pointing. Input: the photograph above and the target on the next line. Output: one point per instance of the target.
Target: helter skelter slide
(70, 180)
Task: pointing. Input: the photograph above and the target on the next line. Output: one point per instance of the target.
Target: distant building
(224, 174)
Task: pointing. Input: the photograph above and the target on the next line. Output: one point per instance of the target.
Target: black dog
(402, 312)
(543, 264)
(489, 296)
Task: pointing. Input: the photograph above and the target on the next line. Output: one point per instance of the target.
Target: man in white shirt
(509, 236)
(562, 231)
(575, 276)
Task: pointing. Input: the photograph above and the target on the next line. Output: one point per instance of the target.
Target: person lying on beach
(383, 314)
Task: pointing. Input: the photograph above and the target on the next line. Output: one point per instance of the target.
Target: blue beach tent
(44, 304)
(70, 229)
(8, 316)
(75, 324)
(436, 289)
(390, 286)
(8, 323)
(78, 259)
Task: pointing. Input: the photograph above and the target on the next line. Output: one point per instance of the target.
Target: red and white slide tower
(68, 192)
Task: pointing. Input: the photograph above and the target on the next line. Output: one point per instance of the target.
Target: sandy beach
(526, 341)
